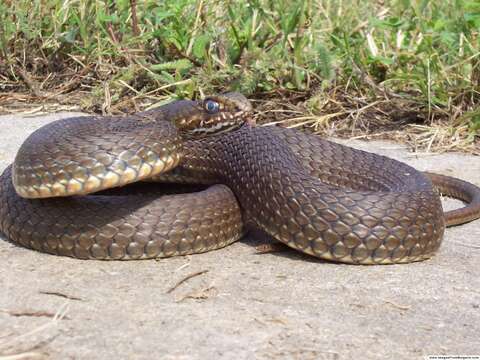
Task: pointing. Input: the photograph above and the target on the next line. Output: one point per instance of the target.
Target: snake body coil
(318, 197)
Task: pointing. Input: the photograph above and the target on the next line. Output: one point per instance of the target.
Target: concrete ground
(241, 304)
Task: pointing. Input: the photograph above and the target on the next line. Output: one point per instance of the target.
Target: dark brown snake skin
(321, 198)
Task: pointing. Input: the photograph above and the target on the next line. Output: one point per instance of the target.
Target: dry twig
(186, 278)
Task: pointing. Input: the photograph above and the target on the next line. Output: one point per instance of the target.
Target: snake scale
(65, 193)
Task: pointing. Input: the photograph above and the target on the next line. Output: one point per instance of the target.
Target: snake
(195, 175)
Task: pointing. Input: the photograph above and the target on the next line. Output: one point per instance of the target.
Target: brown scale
(321, 198)
(329, 200)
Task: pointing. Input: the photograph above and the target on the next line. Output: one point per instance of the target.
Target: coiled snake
(321, 198)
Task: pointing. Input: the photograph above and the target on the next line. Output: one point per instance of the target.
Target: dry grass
(406, 70)
(32, 344)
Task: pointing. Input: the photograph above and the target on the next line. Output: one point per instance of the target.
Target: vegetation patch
(407, 69)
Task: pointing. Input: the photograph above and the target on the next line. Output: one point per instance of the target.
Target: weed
(416, 61)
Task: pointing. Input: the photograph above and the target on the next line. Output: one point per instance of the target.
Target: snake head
(213, 115)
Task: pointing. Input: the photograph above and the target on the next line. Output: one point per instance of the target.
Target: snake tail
(461, 190)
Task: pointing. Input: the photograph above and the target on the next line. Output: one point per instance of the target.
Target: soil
(237, 303)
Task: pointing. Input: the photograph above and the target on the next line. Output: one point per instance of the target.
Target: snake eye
(211, 106)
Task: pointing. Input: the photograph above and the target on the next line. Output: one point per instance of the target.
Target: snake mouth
(221, 123)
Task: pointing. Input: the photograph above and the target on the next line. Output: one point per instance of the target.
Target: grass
(407, 68)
